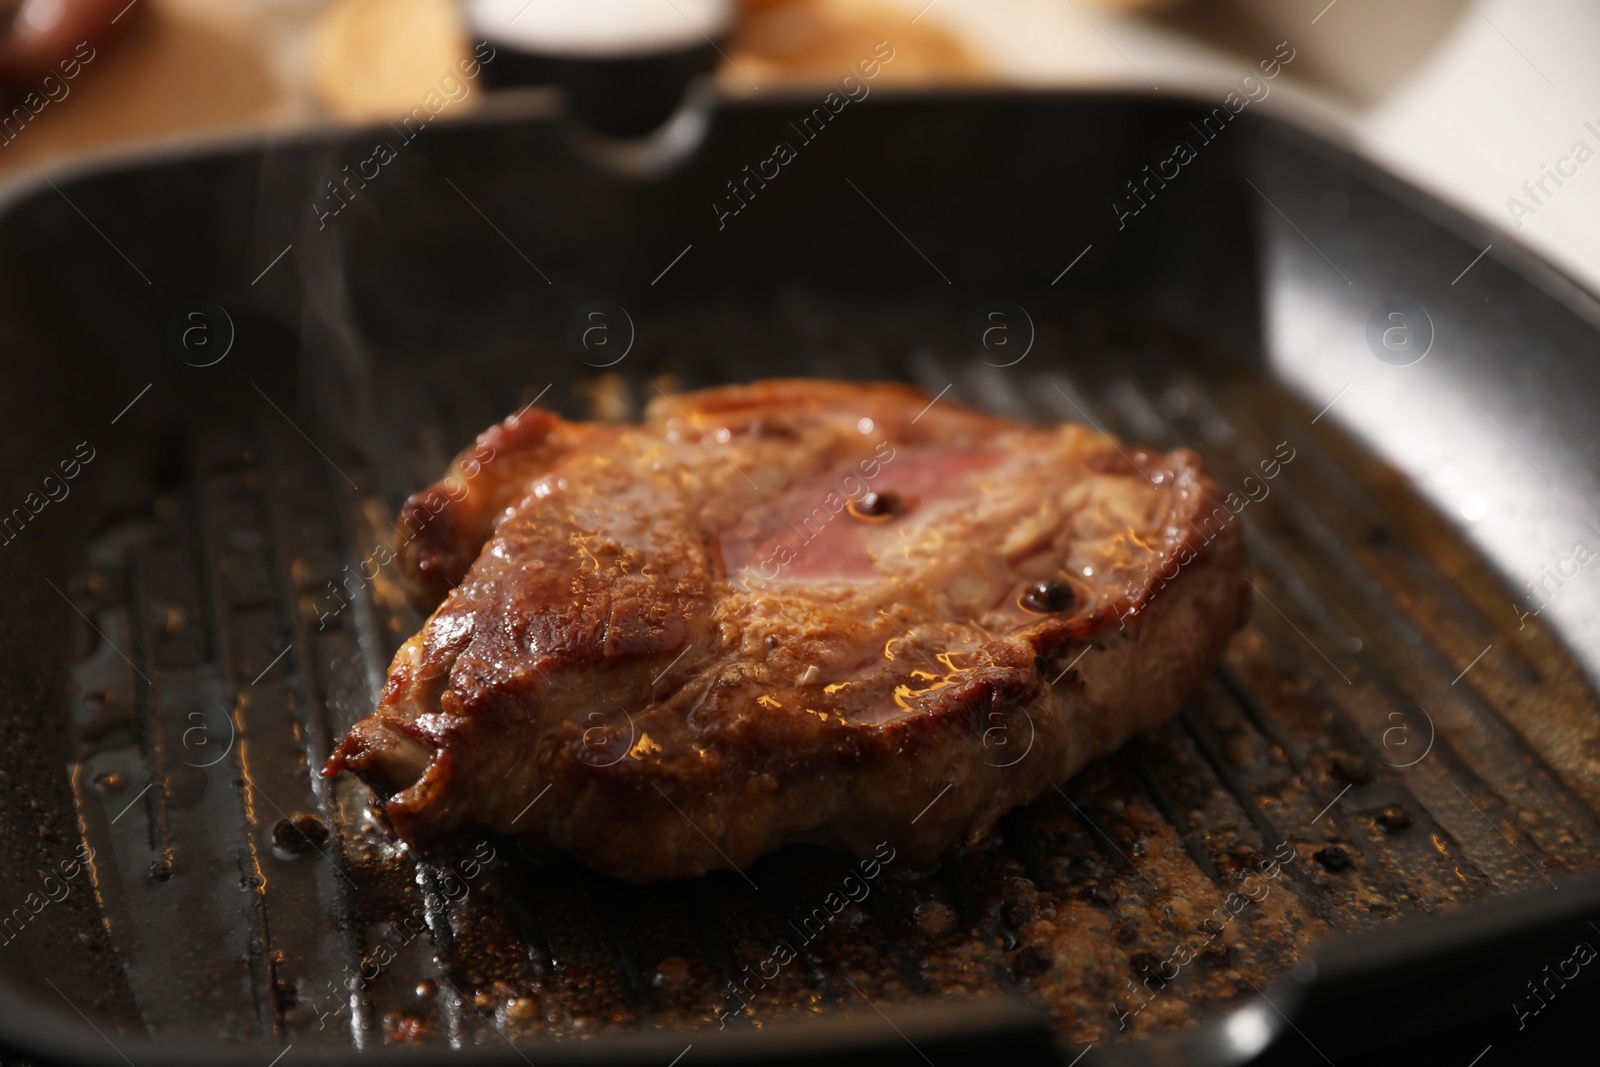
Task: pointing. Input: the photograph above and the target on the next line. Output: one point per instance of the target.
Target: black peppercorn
(1049, 597)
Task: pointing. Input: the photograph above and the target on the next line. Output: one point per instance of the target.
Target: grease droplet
(1393, 819)
(879, 507)
(300, 832)
(110, 783)
(671, 973)
(1048, 597)
(1333, 859)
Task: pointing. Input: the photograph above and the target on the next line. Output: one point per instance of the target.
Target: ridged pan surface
(1318, 784)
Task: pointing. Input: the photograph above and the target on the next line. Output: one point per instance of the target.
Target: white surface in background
(1480, 119)
(599, 27)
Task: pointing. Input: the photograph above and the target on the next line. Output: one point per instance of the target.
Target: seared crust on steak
(790, 611)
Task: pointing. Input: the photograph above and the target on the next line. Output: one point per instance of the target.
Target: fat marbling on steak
(789, 611)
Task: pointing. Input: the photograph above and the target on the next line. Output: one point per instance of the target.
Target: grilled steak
(791, 611)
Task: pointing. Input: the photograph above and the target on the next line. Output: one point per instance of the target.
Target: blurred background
(1468, 98)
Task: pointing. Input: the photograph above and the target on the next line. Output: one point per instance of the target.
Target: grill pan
(191, 624)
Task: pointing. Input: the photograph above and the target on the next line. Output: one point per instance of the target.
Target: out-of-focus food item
(791, 611)
(121, 89)
(38, 36)
(378, 59)
(819, 40)
(382, 59)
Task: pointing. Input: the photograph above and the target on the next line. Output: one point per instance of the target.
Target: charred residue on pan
(1142, 897)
